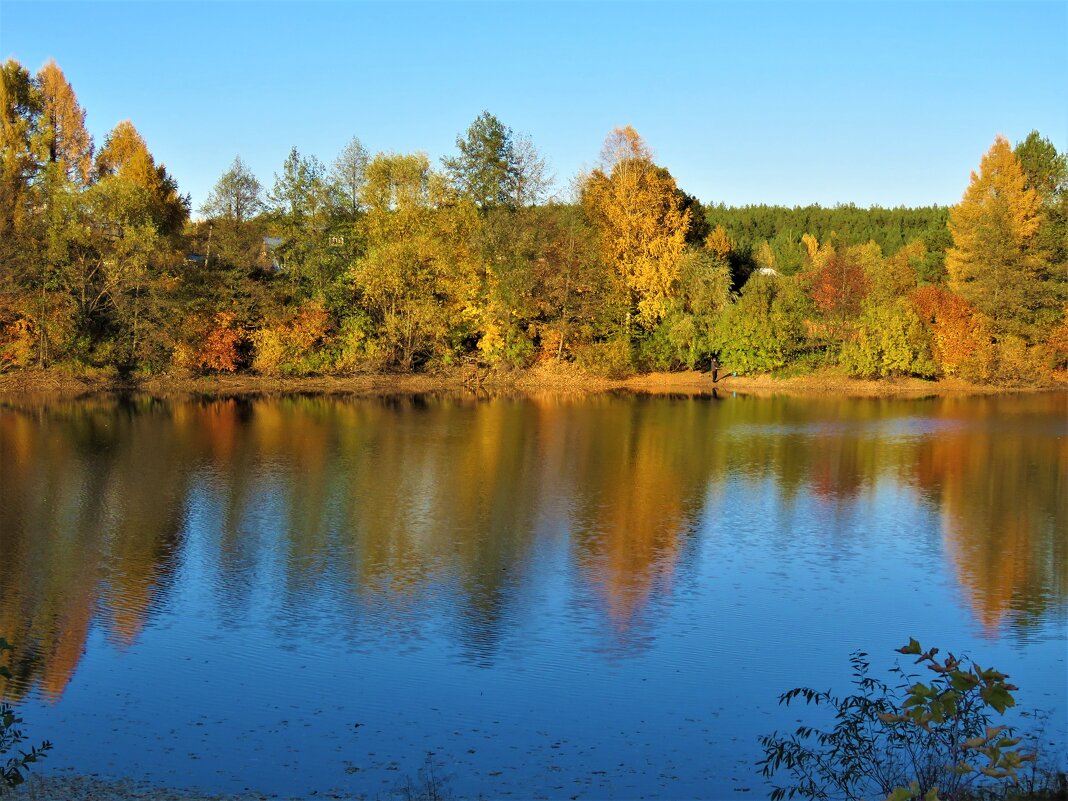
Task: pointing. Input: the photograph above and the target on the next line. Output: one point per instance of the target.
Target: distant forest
(388, 262)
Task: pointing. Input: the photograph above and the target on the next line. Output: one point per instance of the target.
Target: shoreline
(548, 379)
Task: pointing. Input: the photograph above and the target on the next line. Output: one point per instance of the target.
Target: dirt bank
(565, 379)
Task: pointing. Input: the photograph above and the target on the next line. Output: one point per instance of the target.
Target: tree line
(390, 262)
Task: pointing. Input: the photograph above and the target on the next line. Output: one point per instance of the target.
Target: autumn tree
(63, 121)
(416, 278)
(961, 336)
(125, 264)
(636, 209)
(20, 149)
(126, 156)
(993, 263)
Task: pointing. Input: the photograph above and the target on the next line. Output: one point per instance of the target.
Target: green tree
(302, 211)
(764, 328)
(233, 235)
(484, 171)
(236, 197)
(349, 173)
(1045, 170)
(890, 340)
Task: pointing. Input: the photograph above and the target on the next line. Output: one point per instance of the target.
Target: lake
(550, 597)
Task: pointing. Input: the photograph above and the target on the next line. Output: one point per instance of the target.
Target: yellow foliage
(18, 343)
(69, 142)
(992, 263)
(636, 207)
(719, 243)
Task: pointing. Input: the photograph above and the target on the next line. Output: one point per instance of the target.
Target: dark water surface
(600, 597)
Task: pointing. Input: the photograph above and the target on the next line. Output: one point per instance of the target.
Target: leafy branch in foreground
(12, 772)
(916, 740)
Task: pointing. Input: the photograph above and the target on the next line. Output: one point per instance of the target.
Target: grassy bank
(548, 378)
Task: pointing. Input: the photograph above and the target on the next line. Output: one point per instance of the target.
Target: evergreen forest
(389, 262)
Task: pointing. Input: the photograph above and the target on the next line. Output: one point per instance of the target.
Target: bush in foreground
(13, 770)
(916, 740)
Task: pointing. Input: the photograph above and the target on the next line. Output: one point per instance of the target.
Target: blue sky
(888, 104)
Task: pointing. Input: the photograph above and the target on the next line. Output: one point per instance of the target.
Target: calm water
(599, 597)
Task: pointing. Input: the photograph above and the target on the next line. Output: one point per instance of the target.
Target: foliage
(216, 346)
(611, 359)
(1019, 363)
(1058, 342)
(915, 740)
(414, 268)
(763, 329)
(994, 263)
(890, 340)
(961, 336)
(13, 771)
(290, 347)
(642, 226)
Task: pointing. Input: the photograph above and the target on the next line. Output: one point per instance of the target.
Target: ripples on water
(554, 597)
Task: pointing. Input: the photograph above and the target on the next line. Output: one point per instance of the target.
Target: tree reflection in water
(400, 509)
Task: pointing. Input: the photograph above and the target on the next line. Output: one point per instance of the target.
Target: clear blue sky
(889, 104)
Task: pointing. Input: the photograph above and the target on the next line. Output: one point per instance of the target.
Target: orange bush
(961, 335)
(216, 346)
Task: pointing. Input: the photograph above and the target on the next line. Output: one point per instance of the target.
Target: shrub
(12, 772)
(890, 340)
(1020, 363)
(292, 347)
(215, 347)
(914, 741)
(610, 359)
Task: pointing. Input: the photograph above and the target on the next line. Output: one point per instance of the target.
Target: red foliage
(839, 287)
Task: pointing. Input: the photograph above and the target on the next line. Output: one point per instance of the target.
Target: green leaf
(997, 697)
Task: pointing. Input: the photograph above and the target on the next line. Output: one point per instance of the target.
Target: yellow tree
(69, 143)
(126, 156)
(416, 279)
(637, 209)
(20, 159)
(993, 263)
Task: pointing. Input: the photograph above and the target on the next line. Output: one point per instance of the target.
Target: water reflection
(422, 518)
